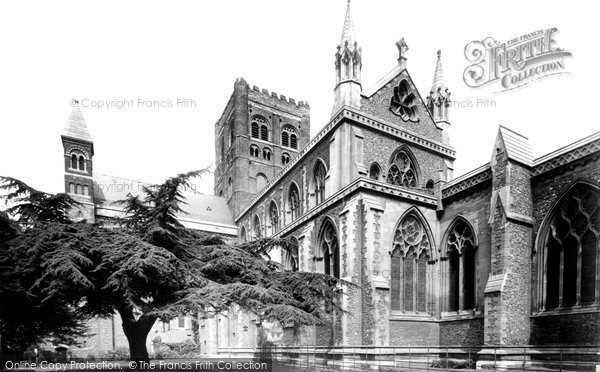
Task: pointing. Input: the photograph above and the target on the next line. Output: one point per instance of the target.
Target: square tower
(258, 133)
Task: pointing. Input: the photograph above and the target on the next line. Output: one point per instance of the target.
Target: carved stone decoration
(377, 257)
(344, 225)
(404, 102)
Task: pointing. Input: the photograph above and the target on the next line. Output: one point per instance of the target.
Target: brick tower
(79, 152)
(258, 133)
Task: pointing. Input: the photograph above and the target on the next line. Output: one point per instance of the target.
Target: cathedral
(506, 254)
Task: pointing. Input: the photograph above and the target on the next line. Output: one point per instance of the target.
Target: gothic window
(264, 133)
(328, 255)
(285, 158)
(404, 102)
(410, 264)
(222, 148)
(257, 228)
(266, 154)
(254, 151)
(274, 216)
(261, 182)
(72, 188)
(402, 171)
(73, 161)
(290, 258)
(571, 250)
(429, 185)
(289, 137)
(231, 135)
(294, 202)
(255, 130)
(374, 171)
(460, 250)
(243, 238)
(319, 181)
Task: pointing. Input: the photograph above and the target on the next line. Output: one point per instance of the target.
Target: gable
(382, 103)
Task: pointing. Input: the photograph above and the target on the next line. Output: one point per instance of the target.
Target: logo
(515, 63)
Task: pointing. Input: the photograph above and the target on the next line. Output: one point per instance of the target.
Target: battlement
(273, 95)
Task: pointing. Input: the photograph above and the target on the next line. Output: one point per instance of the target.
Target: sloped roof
(516, 145)
(75, 126)
(201, 207)
(348, 30)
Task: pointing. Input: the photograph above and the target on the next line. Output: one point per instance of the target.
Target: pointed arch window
(294, 202)
(328, 255)
(243, 237)
(319, 181)
(570, 252)
(290, 258)
(460, 251)
(410, 266)
(274, 216)
(374, 171)
(257, 228)
(402, 171)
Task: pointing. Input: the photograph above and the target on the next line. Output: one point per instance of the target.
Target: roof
(201, 207)
(516, 145)
(438, 76)
(75, 126)
(348, 30)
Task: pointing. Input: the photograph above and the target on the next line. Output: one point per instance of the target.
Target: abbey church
(507, 254)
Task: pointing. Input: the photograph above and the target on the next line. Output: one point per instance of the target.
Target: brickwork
(467, 332)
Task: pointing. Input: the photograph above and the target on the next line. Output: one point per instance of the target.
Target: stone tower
(79, 152)
(348, 65)
(258, 134)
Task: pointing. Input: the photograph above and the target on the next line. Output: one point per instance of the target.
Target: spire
(438, 76)
(348, 30)
(348, 65)
(75, 127)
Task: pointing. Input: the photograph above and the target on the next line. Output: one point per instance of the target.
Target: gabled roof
(201, 207)
(75, 127)
(516, 145)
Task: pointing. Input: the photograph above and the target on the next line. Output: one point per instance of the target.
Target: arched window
(285, 139)
(261, 182)
(571, 250)
(319, 181)
(328, 255)
(254, 151)
(402, 171)
(255, 130)
(294, 202)
(429, 185)
(81, 162)
(293, 141)
(410, 264)
(266, 154)
(79, 189)
(222, 141)
(274, 216)
(257, 228)
(73, 161)
(289, 137)
(460, 250)
(86, 190)
(243, 237)
(260, 127)
(264, 133)
(72, 188)
(374, 171)
(285, 158)
(290, 258)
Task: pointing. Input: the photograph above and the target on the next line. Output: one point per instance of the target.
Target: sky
(189, 53)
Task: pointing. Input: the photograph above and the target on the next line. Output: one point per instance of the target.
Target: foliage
(454, 364)
(146, 267)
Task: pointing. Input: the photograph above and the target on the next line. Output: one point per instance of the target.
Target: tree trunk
(136, 332)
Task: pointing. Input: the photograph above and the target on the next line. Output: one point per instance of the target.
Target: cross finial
(402, 48)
